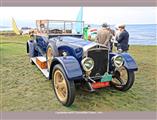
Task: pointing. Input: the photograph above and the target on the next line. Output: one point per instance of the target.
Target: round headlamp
(118, 61)
(87, 64)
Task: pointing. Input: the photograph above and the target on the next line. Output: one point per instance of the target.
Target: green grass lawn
(24, 88)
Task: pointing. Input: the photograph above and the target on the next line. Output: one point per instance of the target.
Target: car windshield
(60, 26)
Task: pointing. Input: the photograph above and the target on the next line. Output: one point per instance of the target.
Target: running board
(44, 70)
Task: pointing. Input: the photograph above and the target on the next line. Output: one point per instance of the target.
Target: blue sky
(26, 16)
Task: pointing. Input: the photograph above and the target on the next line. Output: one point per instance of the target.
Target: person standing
(86, 32)
(123, 39)
(112, 38)
(117, 32)
(104, 35)
(115, 36)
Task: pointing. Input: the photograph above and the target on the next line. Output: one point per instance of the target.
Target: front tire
(64, 89)
(123, 79)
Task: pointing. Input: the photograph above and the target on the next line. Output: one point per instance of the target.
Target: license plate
(106, 77)
(100, 85)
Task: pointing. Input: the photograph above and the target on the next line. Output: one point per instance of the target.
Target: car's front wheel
(64, 89)
(123, 79)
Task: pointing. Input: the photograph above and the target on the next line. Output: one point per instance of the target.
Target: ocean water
(142, 34)
(145, 34)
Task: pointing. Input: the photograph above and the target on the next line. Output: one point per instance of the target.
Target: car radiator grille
(100, 57)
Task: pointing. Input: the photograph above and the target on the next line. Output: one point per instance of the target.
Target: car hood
(79, 42)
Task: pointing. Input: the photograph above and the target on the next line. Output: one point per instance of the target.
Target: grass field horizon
(24, 88)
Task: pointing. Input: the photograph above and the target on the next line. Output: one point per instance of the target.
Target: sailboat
(79, 18)
(88, 32)
(15, 28)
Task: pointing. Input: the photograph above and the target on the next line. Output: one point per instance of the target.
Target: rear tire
(31, 51)
(50, 54)
(64, 89)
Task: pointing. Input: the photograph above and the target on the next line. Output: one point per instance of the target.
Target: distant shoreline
(140, 34)
(85, 24)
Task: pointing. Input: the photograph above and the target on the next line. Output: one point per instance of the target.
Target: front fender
(129, 62)
(70, 65)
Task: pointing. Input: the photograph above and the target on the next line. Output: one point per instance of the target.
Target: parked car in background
(25, 30)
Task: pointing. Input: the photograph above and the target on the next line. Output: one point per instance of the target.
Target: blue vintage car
(71, 60)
